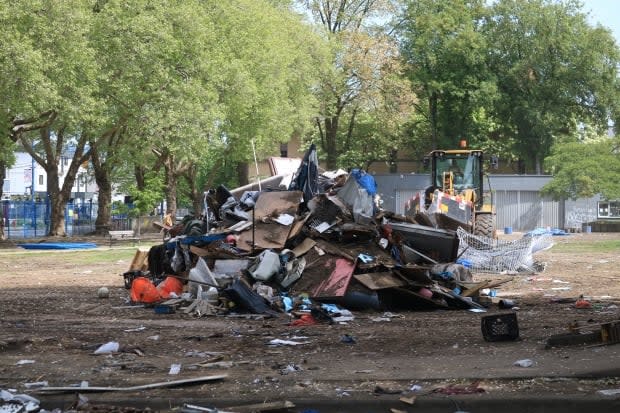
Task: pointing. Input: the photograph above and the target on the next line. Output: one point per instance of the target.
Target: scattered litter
(17, 403)
(415, 387)
(107, 348)
(609, 392)
(523, 363)
(583, 304)
(22, 362)
(285, 219)
(174, 369)
(279, 342)
(134, 330)
(291, 368)
(348, 339)
(36, 384)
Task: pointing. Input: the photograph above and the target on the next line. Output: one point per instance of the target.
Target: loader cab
(458, 172)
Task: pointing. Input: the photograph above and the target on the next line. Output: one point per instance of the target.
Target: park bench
(125, 235)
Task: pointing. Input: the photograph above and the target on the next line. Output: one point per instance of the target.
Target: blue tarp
(58, 246)
(365, 180)
(544, 231)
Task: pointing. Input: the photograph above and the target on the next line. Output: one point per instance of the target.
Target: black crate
(500, 327)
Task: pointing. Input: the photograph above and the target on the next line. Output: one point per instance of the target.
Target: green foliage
(554, 71)
(582, 170)
(145, 200)
(446, 51)
(364, 101)
(266, 89)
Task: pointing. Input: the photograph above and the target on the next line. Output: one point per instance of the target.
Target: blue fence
(30, 219)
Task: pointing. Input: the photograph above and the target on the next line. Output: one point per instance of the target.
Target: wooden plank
(139, 261)
(93, 389)
(266, 236)
(272, 204)
(201, 252)
(380, 280)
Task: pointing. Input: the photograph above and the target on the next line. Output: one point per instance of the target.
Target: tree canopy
(188, 88)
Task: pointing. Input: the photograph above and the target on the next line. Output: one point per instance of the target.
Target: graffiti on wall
(577, 216)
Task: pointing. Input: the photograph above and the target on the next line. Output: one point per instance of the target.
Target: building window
(284, 150)
(40, 179)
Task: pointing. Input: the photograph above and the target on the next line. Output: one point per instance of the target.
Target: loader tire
(485, 226)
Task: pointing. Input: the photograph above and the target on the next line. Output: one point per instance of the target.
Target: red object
(426, 293)
(583, 304)
(170, 285)
(144, 291)
(230, 239)
(304, 320)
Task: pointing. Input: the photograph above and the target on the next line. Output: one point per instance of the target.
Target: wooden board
(140, 261)
(89, 389)
(380, 280)
(304, 247)
(265, 235)
(272, 204)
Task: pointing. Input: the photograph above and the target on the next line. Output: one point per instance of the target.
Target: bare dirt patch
(52, 321)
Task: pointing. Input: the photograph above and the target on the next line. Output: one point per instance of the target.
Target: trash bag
(170, 285)
(265, 266)
(306, 179)
(144, 291)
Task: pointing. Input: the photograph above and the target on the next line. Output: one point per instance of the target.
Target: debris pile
(314, 250)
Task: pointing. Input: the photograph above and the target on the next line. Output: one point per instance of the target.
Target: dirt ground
(51, 321)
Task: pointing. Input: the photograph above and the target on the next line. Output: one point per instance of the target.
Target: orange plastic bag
(144, 291)
(170, 285)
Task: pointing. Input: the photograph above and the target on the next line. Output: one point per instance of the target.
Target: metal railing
(31, 219)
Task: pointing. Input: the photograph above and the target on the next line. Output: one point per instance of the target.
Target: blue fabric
(543, 231)
(58, 246)
(365, 180)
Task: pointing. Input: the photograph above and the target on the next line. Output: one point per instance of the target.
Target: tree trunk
(243, 173)
(194, 193)
(331, 140)
(139, 172)
(57, 203)
(2, 176)
(432, 111)
(102, 178)
(171, 187)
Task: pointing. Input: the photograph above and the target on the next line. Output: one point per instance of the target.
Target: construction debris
(322, 240)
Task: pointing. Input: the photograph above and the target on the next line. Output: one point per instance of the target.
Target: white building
(19, 181)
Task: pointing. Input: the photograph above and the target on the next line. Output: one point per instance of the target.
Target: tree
(271, 59)
(584, 169)
(554, 73)
(47, 76)
(361, 81)
(445, 51)
(159, 66)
